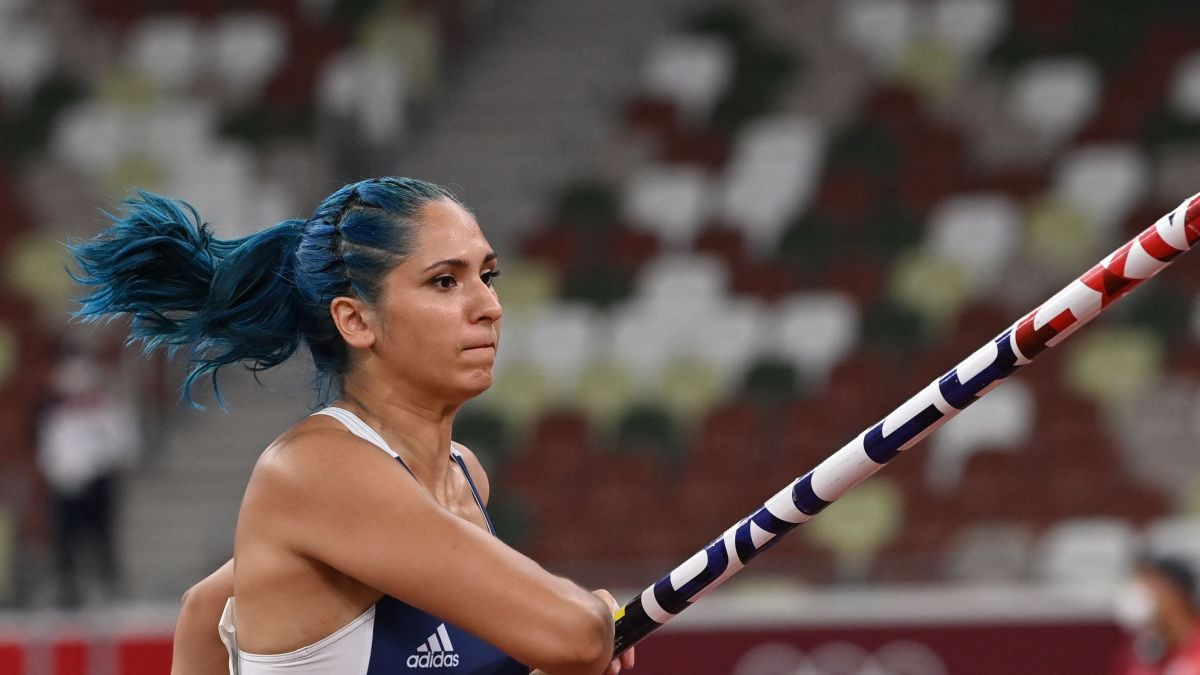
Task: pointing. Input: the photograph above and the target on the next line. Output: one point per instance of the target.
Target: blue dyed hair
(252, 300)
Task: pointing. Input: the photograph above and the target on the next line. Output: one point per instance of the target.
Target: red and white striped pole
(1068, 310)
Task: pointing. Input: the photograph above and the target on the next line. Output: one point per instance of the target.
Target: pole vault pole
(1123, 270)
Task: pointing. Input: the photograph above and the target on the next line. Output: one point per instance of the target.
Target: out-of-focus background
(733, 235)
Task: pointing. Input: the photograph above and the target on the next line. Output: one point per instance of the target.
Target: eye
(445, 281)
(489, 276)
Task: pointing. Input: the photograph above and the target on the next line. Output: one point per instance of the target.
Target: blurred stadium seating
(744, 233)
(812, 267)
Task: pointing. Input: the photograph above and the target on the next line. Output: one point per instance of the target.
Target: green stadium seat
(809, 243)
(9, 354)
(1060, 236)
(34, 267)
(933, 286)
(891, 327)
(587, 205)
(602, 391)
(687, 388)
(771, 382)
(526, 287)
(519, 395)
(931, 67)
(859, 525)
(485, 433)
(649, 429)
(1112, 365)
(8, 547)
(1162, 309)
(597, 284)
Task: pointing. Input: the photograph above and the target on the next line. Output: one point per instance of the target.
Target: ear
(350, 317)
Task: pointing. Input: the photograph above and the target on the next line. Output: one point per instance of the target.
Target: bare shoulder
(476, 468)
(315, 457)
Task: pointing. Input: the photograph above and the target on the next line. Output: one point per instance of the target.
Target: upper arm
(478, 475)
(357, 512)
(197, 648)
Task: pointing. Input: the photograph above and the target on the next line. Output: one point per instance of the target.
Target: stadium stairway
(179, 509)
(535, 106)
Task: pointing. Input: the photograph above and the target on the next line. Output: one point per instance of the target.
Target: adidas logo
(436, 652)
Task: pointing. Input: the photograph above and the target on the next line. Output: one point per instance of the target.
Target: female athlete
(363, 544)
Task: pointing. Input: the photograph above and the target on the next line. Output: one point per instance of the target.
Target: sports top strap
(356, 426)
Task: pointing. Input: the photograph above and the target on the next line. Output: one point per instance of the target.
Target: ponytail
(222, 301)
(252, 300)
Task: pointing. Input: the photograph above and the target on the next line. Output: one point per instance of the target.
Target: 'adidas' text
(436, 652)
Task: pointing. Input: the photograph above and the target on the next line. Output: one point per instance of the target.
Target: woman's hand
(626, 659)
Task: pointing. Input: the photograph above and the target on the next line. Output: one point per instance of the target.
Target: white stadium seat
(690, 70)
(247, 49)
(1054, 97)
(815, 330)
(990, 552)
(1174, 537)
(682, 281)
(981, 232)
(1184, 92)
(168, 49)
(1001, 420)
(880, 29)
(772, 175)
(642, 341)
(671, 201)
(367, 90)
(175, 132)
(26, 55)
(1104, 181)
(971, 27)
(562, 340)
(731, 337)
(1091, 555)
(91, 135)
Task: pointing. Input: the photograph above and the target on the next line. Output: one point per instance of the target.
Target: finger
(613, 668)
(606, 596)
(628, 659)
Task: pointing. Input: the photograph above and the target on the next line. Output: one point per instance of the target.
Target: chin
(477, 384)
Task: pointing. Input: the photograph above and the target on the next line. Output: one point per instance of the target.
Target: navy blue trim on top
(470, 481)
(475, 492)
(407, 469)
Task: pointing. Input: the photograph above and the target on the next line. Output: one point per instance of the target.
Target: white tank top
(348, 650)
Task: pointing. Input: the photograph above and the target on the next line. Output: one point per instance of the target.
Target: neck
(1177, 629)
(416, 427)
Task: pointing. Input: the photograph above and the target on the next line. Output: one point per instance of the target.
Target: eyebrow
(459, 262)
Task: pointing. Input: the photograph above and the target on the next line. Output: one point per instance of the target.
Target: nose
(486, 303)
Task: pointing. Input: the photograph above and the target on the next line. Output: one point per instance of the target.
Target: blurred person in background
(344, 562)
(24, 546)
(86, 436)
(1162, 612)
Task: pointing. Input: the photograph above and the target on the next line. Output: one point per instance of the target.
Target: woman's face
(438, 315)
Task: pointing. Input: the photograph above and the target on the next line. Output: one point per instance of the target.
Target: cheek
(422, 332)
